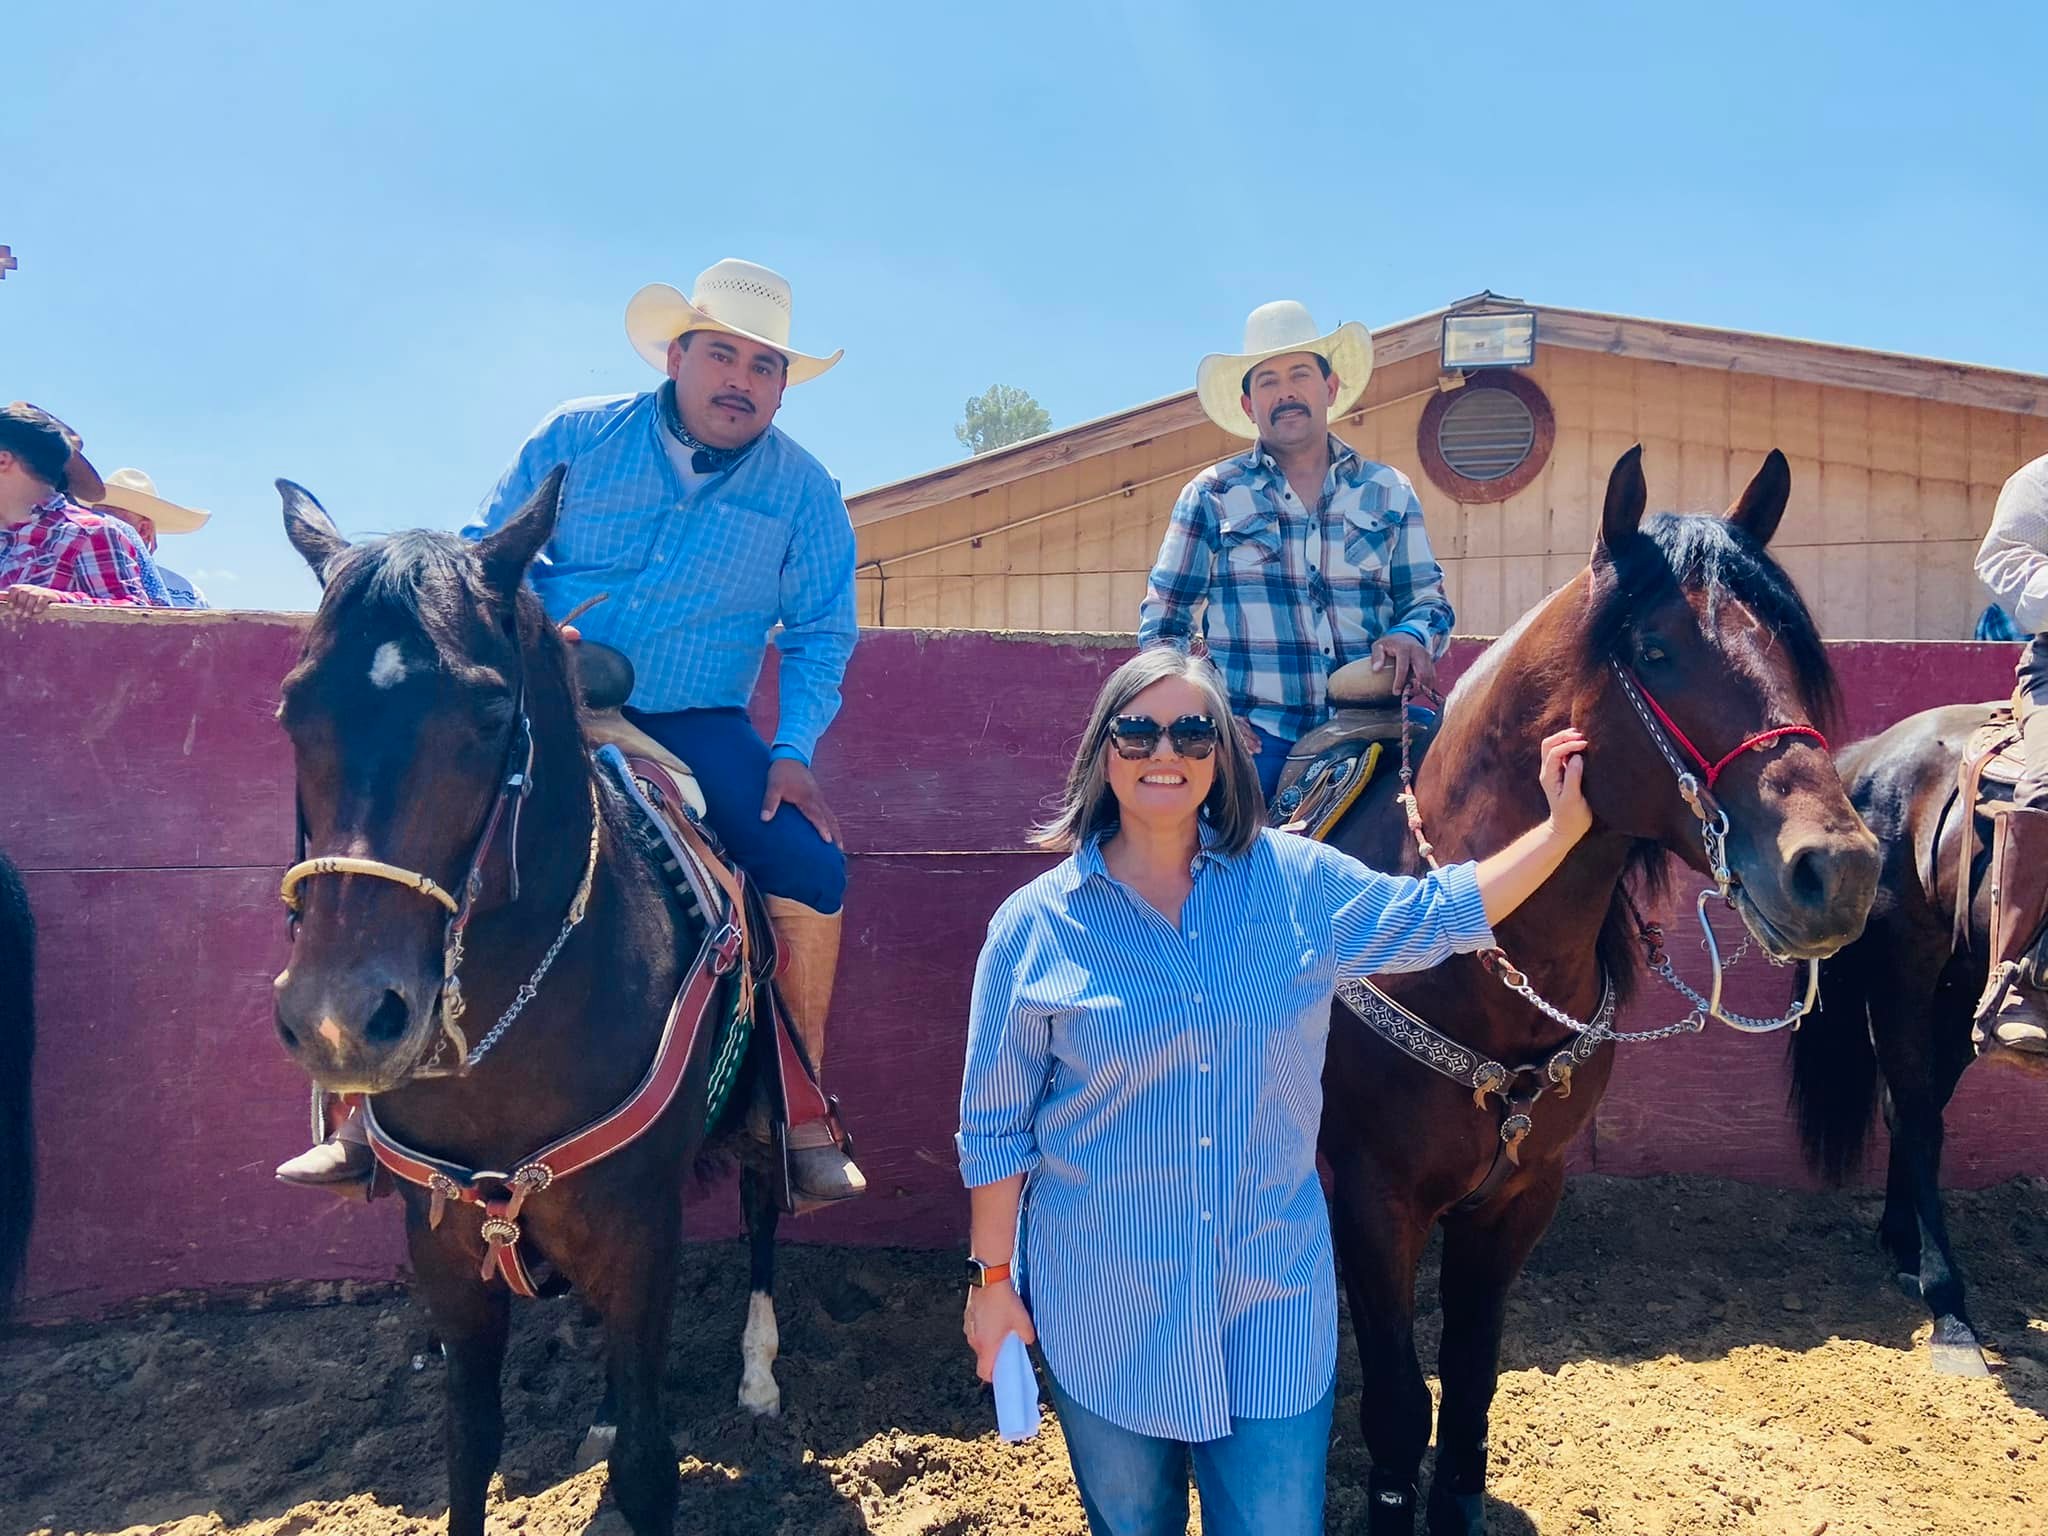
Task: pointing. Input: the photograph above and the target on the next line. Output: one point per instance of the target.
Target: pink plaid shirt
(82, 555)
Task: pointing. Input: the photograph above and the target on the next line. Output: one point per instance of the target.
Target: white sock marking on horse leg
(387, 667)
(758, 1392)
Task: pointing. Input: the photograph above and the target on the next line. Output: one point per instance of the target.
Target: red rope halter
(1713, 770)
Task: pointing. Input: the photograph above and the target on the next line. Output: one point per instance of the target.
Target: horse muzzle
(361, 1032)
(1804, 900)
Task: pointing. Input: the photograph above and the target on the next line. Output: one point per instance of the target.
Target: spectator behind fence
(131, 496)
(52, 549)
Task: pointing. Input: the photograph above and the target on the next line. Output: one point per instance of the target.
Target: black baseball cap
(52, 450)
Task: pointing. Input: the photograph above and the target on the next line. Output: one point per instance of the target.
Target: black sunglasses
(1193, 736)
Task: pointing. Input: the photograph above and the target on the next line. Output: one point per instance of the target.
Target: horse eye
(1650, 651)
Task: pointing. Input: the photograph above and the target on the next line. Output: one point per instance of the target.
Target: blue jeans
(1271, 759)
(1264, 1478)
(785, 857)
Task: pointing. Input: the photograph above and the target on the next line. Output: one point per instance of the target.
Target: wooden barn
(1895, 464)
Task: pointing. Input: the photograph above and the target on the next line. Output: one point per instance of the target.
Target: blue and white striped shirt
(1162, 1090)
(698, 574)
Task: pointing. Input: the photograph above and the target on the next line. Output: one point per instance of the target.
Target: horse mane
(1692, 552)
(1699, 552)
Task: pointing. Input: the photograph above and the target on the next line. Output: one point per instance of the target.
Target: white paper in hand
(1016, 1387)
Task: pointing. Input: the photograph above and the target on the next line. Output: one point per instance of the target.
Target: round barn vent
(1487, 440)
(1486, 433)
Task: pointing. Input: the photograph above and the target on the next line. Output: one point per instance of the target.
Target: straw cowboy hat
(1274, 330)
(133, 491)
(735, 297)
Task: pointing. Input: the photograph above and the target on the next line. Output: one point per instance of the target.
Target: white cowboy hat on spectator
(133, 491)
(736, 297)
(1274, 330)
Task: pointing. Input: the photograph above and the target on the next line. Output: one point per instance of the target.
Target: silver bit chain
(530, 988)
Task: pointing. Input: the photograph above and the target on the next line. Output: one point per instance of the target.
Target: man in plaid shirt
(52, 550)
(1297, 556)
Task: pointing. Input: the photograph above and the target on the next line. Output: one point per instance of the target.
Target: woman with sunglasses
(1144, 1085)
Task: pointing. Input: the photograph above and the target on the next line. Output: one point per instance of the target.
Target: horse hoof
(596, 1446)
(1954, 1350)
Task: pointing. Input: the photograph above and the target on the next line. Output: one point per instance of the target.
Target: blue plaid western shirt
(1284, 594)
(697, 575)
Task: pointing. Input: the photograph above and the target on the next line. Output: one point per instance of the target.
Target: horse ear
(1627, 495)
(310, 529)
(1758, 509)
(510, 549)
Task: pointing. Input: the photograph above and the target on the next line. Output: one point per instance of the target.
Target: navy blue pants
(1271, 759)
(786, 856)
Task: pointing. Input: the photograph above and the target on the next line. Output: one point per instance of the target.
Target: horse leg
(1898, 1229)
(1483, 1253)
(636, 1300)
(472, 1320)
(758, 1392)
(1921, 1078)
(1380, 1242)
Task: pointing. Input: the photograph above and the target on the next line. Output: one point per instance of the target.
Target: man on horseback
(1299, 555)
(2013, 563)
(704, 528)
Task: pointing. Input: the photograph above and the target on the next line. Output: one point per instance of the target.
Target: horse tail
(17, 1056)
(1834, 1068)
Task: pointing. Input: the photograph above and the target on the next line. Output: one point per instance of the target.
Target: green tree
(1003, 416)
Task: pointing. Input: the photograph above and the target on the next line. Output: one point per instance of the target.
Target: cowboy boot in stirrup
(808, 942)
(2013, 1013)
(342, 1164)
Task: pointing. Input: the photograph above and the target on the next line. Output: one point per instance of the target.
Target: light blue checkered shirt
(1161, 1089)
(698, 575)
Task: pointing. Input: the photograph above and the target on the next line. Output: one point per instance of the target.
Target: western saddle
(1330, 767)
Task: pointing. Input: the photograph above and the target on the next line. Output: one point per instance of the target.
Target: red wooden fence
(147, 797)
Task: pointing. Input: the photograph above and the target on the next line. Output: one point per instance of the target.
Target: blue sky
(367, 246)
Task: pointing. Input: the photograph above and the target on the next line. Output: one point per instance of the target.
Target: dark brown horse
(17, 1062)
(1686, 611)
(1896, 1006)
(427, 672)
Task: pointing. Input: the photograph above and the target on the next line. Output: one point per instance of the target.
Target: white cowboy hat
(133, 491)
(1274, 330)
(736, 297)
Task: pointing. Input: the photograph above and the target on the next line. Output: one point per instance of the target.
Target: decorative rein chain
(1714, 828)
(530, 988)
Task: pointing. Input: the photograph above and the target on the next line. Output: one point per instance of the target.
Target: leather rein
(1518, 1088)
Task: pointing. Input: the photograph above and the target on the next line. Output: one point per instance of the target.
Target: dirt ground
(1684, 1356)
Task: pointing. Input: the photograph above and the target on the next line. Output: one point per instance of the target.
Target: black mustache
(734, 403)
(1289, 405)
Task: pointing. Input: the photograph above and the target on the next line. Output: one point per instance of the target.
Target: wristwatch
(980, 1274)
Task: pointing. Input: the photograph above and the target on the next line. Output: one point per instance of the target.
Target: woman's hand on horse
(994, 1312)
(1564, 770)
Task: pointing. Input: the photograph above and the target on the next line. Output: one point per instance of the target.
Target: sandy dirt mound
(1684, 1356)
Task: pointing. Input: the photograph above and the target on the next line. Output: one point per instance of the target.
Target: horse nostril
(1810, 883)
(388, 1023)
(284, 1033)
